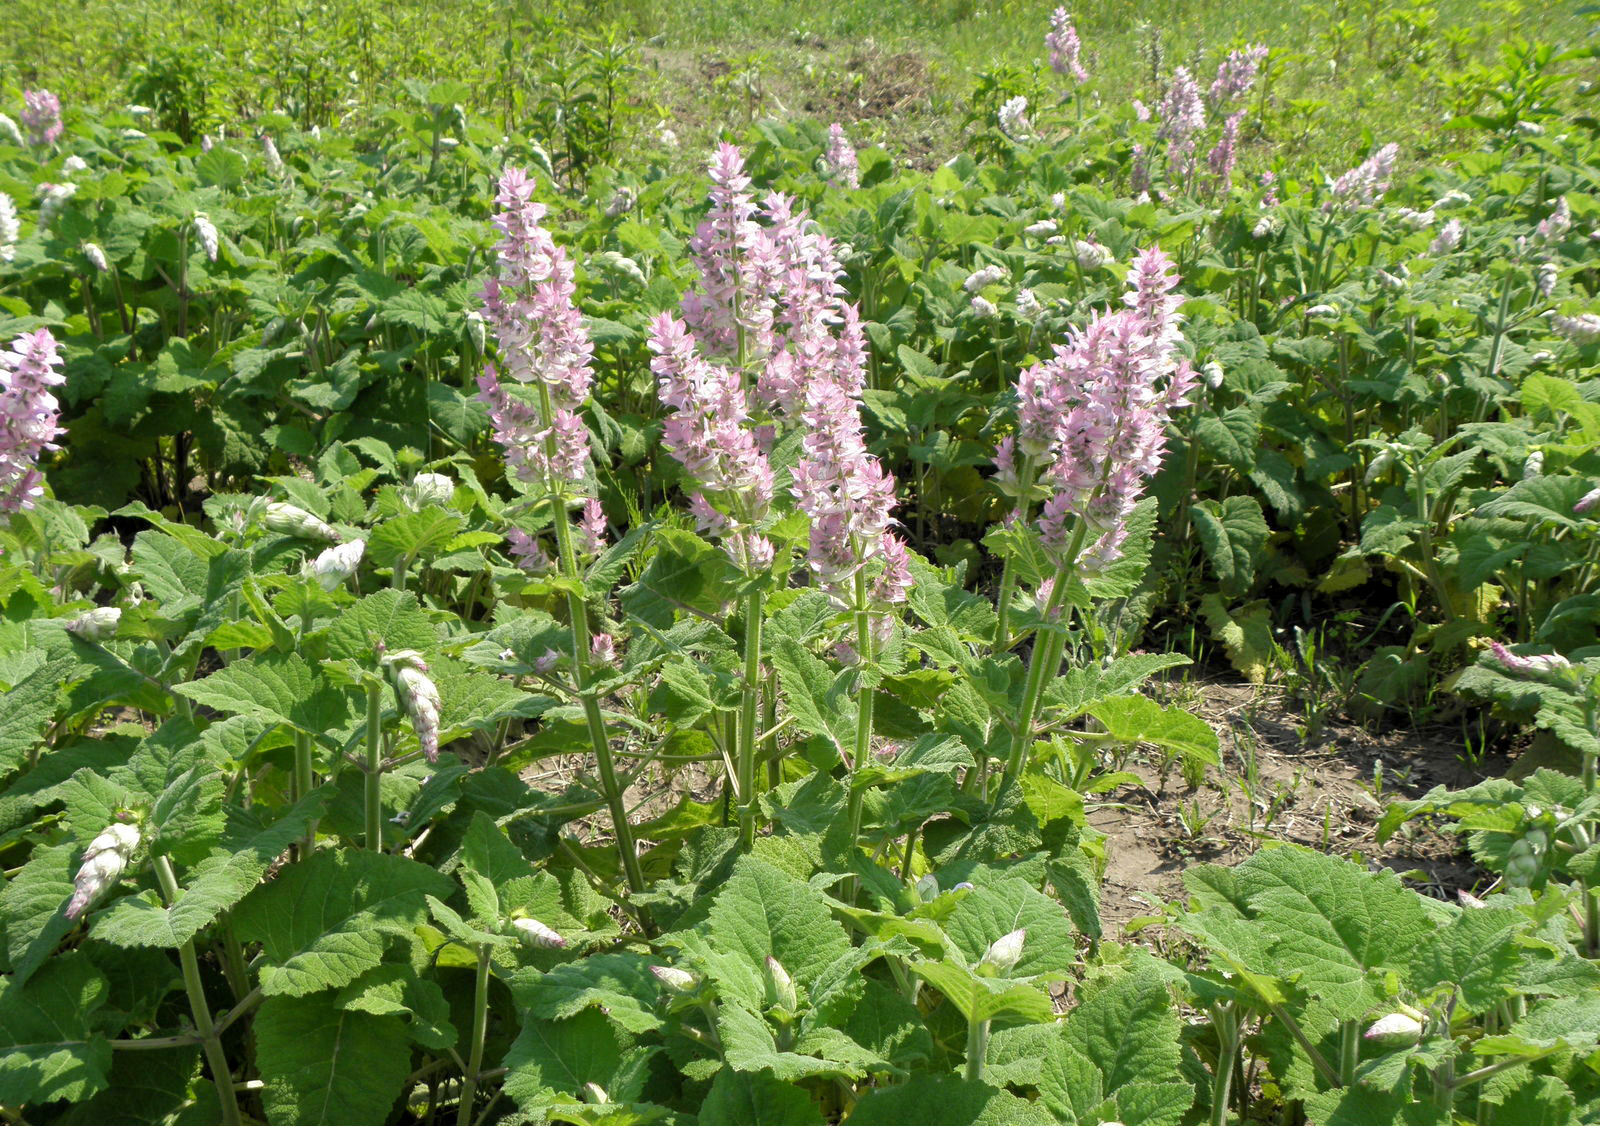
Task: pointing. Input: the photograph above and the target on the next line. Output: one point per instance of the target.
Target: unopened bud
(431, 488)
(292, 520)
(337, 564)
(679, 981)
(780, 986)
(1395, 1030)
(1005, 952)
(103, 863)
(96, 625)
(96, 256)
(603, 649)
(418, 696)
(535, 932)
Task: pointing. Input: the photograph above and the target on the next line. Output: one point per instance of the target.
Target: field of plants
(622, 563)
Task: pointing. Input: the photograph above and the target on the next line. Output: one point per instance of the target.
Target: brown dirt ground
(1323, 793)
(1328, 792)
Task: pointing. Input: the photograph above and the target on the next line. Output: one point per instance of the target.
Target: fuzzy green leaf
(324, 1065)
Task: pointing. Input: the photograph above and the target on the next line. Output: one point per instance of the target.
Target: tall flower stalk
(29, 416)
(545, 349)
(767, 341)
(1092, 429)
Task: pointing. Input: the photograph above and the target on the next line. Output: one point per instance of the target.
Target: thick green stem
(374, 781)
(216, 1059)
(304, 783)
(1046, 658)
(977, 1048)
(1008, 575)
(1225, 1019)
(480, 1028)
(864, 699)
(749, 717)
(1349, 1051)
(579, 613)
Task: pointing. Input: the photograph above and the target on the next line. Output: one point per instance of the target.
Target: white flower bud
(1004, 953)
(269, 150)
(9, 133)
(431, 488)
(420, 696)
(603, 649)
(989, 275)
(1263, 228)
(292, 520)
(983, 308)
(535, 932)
(206, 231)
(1090, 254)
(780, 986)
(96, 256)
(621, 203)
(1028, 304)
(679, 981)
(1587, 503)
(98, 624)
(103, 864)
(74, 164)
(1212, 373)
(337, 564)
(1395, 1030)
(1534, 466)
(1323, 311)
(1041, 228)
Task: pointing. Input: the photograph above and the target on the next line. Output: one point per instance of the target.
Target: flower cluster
(769, 295)
(543, 344)
(10, 228)
(1448, 238)
(1362, 185)
(1581, 329)
(839, 161)
(29, 416)
(1093, 418)
(1183, 117)
(103, 863)
(206, 232)
(707, 434)
(1236, 75)
(1013, 119)
(1065, 50)
(41, 116)
(418, 695)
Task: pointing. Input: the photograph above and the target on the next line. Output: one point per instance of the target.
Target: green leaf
(818, 700)
(33, 903)
(620, 985)
(1128, 1030)
(1475, 954)
(996, 909)
(762, 912)
(395, 990)
(216, 884)
(392, 617)
(986, 998)
(1139, 719)
(412, 536)
(25, 714)
(1231, 438)
(557, 1057)
(1246, 633)
(744, 1098)
(1233, 534)
(326, 920)
(274, 688)
(325, 1065)
(48, 1050)
(1362, 1106)
(944, 1100)
(684, 573)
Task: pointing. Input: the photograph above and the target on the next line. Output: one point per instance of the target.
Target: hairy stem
(216, 1059)
(373, 787)
(480, 1028)
(749, 716)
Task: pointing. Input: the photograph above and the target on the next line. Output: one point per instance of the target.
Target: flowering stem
(1046, 658)
(864, 699)
(1225, 1019)
(977, 1048)
(579, 613)
(480, 1027)
(374, 779)
(304, 783)
(749, 714)
(216, 1059)
(1008, 575)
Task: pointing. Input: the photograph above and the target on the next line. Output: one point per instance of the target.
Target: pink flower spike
(1535, 664)
(1065, 50)
(29, 416)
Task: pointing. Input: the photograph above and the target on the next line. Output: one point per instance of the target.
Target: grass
(897, 72)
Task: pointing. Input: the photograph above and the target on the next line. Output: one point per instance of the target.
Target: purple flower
(1222, 158)
(29, 414)
(1362, 185)
(839, 161)
(1535, 664)
(1065, 51)
(1587, 503)
(1093, 418)
(1236, 75)
(592, 528)
(1448, 238)
(543, 345)
(1555, 226)
(41, 116)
